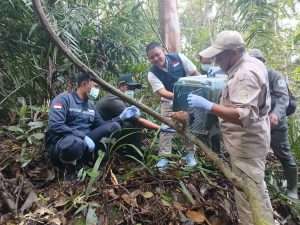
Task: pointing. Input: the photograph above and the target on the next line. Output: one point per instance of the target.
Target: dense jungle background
(110, 37)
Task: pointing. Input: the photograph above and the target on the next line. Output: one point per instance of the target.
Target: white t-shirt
(188, 66)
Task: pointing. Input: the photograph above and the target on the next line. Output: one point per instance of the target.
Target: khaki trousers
(165, 138)
(254, 169)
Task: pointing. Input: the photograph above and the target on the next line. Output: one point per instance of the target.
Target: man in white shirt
(165, 71)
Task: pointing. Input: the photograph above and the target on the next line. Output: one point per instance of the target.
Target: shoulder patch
(57, 105)
(281, 83)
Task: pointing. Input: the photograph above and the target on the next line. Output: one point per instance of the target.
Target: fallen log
(243, 185)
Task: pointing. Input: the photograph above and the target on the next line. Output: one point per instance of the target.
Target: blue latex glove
(129, 113)
(90, 143)
(213, 70)
(190, 159)
(162, 164)
(196, 101)
(167, 129)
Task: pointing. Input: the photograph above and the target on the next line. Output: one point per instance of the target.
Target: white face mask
(94, 92)
(130, 93)
(205, 67)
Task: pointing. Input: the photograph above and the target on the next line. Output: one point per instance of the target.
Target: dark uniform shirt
(70, 115)
(279, 93)
(110, 106)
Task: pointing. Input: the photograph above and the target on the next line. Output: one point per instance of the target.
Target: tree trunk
(169, 25)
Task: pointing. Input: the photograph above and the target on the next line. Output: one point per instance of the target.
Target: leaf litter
(36, 194)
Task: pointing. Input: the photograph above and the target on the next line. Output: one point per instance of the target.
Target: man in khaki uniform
(243, 112)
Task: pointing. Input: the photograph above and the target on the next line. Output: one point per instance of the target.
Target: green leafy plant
(94, 173)
(294, 136)
(30, 129)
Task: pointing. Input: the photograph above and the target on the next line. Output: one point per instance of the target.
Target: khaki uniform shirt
(247, 90)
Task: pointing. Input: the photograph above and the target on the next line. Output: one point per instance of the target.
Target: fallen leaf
(135, 193)
(111, 193)
(203, 189)
(129, 200)
(114, 179)
(214, 220)
(178, 206)
(43, 211)
(31, 198)
(55, 221)
(227, 206)
(60, 202)
(196, 216)
(147, 194)
(165, 203)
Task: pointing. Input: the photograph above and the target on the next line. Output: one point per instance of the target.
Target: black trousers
(282, 150)
(70, 147)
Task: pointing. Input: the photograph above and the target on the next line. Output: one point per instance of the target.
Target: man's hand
(273, 119)
(196, 101)
(129, 113)
(90, 143)
(165, 93)
(211, 72)
(181, 119)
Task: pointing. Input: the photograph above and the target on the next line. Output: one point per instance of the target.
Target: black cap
(82, 76)
(127, 79)
(256, 53)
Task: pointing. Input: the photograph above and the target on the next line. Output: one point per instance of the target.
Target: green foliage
(19, 53)
(267, 25)
(94, 173)
(30, 125)
(294, 136)
(107, 35)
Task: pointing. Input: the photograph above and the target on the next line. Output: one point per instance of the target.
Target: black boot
(292, 181)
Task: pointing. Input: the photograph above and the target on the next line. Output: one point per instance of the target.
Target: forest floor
(124, 192)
